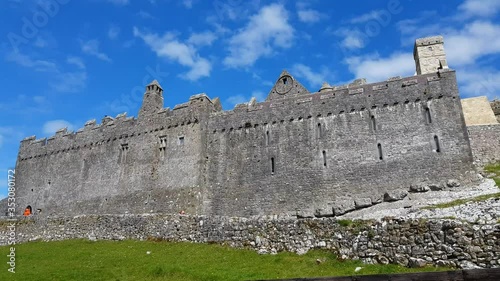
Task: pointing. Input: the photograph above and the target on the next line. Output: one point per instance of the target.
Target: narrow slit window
(272, 165)
(319, 131)
(268, 140)
(436, 143)
(428, 117)
(181, 140)
(324, 158)
(380, 155)
(374, 123)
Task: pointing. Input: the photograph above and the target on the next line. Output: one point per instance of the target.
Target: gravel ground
(487, 211)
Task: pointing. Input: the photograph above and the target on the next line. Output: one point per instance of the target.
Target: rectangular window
(324, 158)
(123, 153)
(268, 139)
(163, 145)
(181, 140)
(380, 155)
(272, 165)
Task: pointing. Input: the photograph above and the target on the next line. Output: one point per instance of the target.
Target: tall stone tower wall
(429, 55)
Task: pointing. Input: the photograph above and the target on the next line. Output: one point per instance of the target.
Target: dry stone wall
(405, 242)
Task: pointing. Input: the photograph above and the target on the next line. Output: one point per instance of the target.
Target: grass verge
(462, 201)
(128, 260)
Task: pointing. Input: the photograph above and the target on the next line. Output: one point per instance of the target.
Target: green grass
(495, 170)
(127, 260)
(463, 201)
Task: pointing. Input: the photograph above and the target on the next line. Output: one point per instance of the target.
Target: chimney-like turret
(153, 99)
(429, 55)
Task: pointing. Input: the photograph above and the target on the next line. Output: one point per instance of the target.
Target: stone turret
(153, 99)
(429, 55)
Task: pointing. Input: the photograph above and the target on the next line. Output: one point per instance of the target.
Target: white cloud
(40, 42)
(167, 46)
(119, 2)
(315, 79)
(474, 40)
(58, 80)
(145, 15)
(51, 127)
(113, 32)
(91, 47)
(26, 61)
(203, 38)
(69, 82)
(375, 68)
(309, 15)
(76, 61)
(187, 3)
(266, 30)
(352, 38)
(372, 15)
(480, 8)
(479, 82)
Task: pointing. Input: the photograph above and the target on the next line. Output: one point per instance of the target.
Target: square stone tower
(429, 55)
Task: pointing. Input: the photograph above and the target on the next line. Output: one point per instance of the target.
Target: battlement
(429, 41)
(119, 127)
(295, 150)
(354, 97)
(287, 96)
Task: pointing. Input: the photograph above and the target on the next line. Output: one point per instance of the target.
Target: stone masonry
(315, 153)
(413, 243)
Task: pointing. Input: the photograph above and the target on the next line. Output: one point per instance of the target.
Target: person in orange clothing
(27, 212)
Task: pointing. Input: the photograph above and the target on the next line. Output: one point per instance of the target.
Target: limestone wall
(347, 143)
(485, 143)
(409, 243)
(324, 146)
(477, 111)
(121, 165)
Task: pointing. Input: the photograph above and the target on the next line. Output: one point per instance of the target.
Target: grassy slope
(127, 260)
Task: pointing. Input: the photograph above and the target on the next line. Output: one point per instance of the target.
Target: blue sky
(68, 61)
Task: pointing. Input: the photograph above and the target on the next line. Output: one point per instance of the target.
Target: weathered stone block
(453, 183)
(324, 212)
(419, 188)
(362, 203)
(417, 263)
(395, 195)
(343, 206)
(305, 214)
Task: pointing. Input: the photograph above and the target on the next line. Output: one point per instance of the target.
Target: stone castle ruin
(312, 154)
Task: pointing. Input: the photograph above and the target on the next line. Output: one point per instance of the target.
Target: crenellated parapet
(352, 98)
(115, 128)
